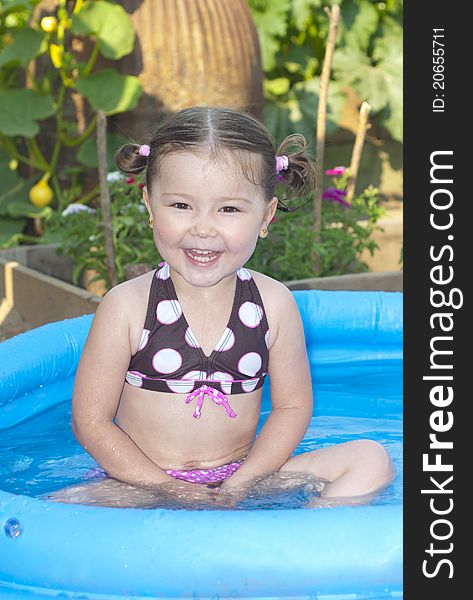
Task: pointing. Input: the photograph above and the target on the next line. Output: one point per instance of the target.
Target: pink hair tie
(282, 163)
(144, 150)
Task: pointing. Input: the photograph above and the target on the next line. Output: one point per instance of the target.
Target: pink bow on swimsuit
(215, 395)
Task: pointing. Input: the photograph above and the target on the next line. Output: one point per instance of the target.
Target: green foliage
(80, 234)
(110, 91)
(40, 69)
(368, 58)
(21, 109)
(111, 26)
(25, 46)
(88, 155)
(291, 251)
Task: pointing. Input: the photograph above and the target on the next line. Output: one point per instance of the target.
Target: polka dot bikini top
(170, 359)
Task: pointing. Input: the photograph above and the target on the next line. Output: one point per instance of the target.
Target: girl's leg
(353, 469)
(106, 492)
(112, 492)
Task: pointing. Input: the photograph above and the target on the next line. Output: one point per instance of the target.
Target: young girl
(167, 393)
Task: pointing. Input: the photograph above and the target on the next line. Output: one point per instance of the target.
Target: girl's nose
(203, 227)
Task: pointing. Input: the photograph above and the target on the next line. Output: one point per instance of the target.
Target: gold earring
(264, 231)
(150, 221)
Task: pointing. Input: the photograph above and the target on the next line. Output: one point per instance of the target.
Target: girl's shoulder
(127, 303)
(129, 292)
(277, 299)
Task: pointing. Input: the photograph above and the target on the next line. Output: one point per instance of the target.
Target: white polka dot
(179, 386)
(144, 339)
(134, 378)
(225, 380)
(250, 314)
(167, 360)
(226, 341)
(243, 274)
(191, 339)
(185, 385)
(249, 386)
(266, 338)
(250, 363)
(163, 273)
(168, 311)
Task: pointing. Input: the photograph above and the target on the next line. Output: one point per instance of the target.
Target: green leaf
(8, 178)
(270, 19)
(307, 93)
(25, 46)
(302, 9)
(110, 91)
(87, 154)
(110, 23)
(277, 87)
(14, 201)
(20, 109)
(9, 228)
(299, 113)
(388, 42)
(346, 61)
(392, 116)
(360, 21)
(353, 67)
(10, 6)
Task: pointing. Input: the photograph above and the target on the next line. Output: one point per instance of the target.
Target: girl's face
(206, 217)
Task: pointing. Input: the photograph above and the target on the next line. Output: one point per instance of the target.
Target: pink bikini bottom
(215, 475)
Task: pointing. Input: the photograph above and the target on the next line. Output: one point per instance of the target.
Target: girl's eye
(181, 205)
(230, 209)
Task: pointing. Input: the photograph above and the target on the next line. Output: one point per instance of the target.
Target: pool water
(41, 455)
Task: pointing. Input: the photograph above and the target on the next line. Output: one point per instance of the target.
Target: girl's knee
(373, 456)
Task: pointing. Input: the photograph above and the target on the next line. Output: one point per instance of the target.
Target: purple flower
(336, 195)
(336, 171)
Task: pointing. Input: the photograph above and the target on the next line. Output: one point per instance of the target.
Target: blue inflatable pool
(354, 342)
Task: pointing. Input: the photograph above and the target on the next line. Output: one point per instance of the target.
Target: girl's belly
(163, 427)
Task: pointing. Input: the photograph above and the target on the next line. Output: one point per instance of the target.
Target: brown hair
(220, 129)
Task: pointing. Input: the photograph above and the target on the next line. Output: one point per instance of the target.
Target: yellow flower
(56, 53)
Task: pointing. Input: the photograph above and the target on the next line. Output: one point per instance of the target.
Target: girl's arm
(98, 385)
(291, 397)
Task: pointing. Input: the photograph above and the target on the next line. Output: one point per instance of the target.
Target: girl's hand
(232, 491)
(183, 494)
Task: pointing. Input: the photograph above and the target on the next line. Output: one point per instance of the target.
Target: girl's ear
(146, 200)
(270, 210)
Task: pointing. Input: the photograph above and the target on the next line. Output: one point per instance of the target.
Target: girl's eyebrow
(190, 197)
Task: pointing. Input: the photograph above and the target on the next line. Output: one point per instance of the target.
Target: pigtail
(296, 183)
(129, 160)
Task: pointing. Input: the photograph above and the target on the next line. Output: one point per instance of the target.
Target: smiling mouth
(202, 256)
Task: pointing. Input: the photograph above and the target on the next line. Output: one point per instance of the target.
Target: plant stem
(105, 194)
(37, 154)
(57, 144)
(57, 191)
(363, 126)
(11, 149)
(334, 19)
(93, 57)
(89, 196)
(70, 142)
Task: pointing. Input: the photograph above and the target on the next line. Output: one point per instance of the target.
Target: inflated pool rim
(96, 552)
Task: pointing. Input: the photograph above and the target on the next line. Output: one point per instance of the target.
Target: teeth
(202, 255)
(197, 251)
